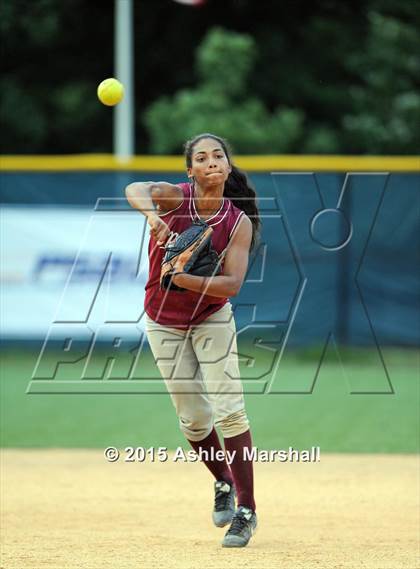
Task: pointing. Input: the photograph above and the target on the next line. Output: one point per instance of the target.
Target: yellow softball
(110, 92)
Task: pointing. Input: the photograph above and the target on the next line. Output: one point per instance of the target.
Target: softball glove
(192, 253)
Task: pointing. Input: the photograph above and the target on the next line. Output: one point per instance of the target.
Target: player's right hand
(158, 228)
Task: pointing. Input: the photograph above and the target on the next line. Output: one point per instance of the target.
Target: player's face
(209, 163)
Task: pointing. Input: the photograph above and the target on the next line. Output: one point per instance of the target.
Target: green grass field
(329, 417)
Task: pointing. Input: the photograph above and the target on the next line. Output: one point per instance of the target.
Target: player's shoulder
(243, 223)
(168, 197)
(239, 223)
(186, 189)
(233, 209)
(163, 189)
(234, 212)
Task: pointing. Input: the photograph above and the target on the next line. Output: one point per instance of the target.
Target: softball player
(192, 333)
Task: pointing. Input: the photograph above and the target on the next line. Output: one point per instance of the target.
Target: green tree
(51, 65)
(385, 114)
(328, 76)
(221, 103)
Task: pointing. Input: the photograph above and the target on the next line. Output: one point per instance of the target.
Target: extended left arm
(235, 266)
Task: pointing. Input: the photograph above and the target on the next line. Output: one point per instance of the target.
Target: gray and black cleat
(224, 503)
(243, 526)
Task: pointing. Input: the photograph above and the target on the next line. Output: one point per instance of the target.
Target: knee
(234, 424)
(197, 427)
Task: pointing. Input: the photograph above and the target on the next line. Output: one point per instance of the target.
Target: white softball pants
(201, 372)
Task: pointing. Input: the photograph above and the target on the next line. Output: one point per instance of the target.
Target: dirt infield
(71, 509)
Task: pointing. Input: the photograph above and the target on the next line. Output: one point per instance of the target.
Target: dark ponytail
(237, 187)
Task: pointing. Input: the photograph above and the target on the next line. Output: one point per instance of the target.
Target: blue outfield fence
(339, 254)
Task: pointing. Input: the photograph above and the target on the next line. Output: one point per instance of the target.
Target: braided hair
(237, 187)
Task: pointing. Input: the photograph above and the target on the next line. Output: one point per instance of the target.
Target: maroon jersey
(183, 309)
